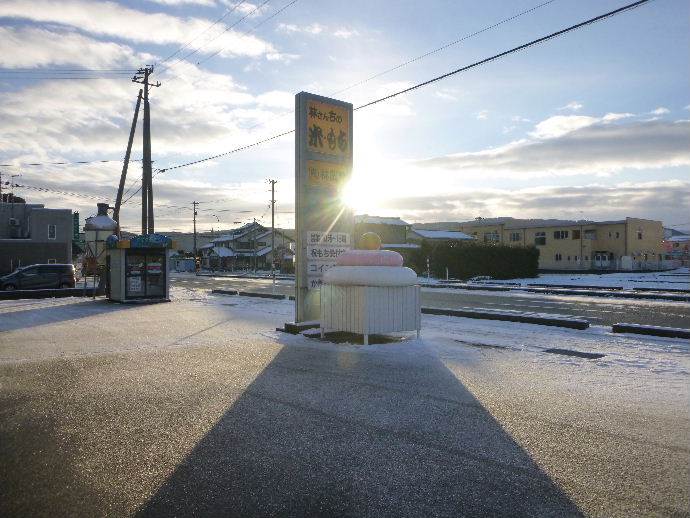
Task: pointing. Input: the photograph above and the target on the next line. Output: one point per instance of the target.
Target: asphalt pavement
(597, 310)
(199, 408)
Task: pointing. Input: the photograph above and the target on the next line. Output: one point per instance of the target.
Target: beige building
(629, 244)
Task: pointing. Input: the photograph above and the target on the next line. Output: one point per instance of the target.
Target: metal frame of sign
(323, 164)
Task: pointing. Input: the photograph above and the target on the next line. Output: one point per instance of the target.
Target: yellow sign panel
(328, 129)
(326, 174)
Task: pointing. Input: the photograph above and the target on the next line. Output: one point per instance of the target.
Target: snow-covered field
(673, 279)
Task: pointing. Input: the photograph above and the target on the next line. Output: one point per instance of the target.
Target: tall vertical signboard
(324, 224)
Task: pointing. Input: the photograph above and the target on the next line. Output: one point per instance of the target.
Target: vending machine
(139, 268)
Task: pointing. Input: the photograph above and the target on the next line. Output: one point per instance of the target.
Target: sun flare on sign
(362, 196)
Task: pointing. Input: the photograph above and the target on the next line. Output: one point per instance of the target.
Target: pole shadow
(335, 431)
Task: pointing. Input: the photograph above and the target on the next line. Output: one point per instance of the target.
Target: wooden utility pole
(194, 206)
(142, 77)
(123, 176)
(273, 229)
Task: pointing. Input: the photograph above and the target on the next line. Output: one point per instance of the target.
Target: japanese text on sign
(326, 174)
(321, 253)
(327, 129)
(330, 238)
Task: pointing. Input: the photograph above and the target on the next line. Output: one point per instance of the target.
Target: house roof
(378, 220)
(443, 234)
(680, 238)
(221, 251)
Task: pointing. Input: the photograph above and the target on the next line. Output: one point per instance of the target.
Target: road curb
(249, 294)
(639, 329)
(466, 287)
(611, 294)
(570, 323)
(46, 294)
(614, 292)
(281, 277)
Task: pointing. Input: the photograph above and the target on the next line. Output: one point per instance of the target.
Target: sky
(593, 125)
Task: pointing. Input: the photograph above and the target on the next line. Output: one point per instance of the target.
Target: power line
(252, 29)
(215, 38)
(242, 148)
(443, 47)
(435, 79)
(56, 78)
(227, 12)
(79, 162)
(510, 51)
(426, 54)
(65, 193)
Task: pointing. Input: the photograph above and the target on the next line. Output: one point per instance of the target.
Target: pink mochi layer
(370, 258)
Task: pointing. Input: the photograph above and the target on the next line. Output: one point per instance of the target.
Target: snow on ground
(627, 354)
(673, 279)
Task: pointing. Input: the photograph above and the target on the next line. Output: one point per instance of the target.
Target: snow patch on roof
(378, 220)
(443, 234)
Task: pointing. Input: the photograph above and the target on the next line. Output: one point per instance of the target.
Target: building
(628, 244)
(185, 240)
(676, 248)
(392, 231)
(33, 234)
(419, 235)
(249, 247)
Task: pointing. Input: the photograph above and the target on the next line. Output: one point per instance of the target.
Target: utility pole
(194, 206)
(123, 176)
(142, 77)
(273, 230)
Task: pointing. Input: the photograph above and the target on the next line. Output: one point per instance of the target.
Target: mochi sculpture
(370, 291)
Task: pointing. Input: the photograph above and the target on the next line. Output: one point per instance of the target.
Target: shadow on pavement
(58, 312)
(385, 431)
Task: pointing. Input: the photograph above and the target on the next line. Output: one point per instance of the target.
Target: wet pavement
(597, 310)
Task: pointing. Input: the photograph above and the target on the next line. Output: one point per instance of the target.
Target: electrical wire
(252, 29)
(227, 12)
(79, 162)
(425, 55)
(510, 51)
(168, 67)
(476, 64)
(443, 47)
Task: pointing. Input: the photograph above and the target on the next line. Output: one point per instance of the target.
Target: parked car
(40, 276)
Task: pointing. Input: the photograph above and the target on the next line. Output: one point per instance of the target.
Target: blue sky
(591, 125)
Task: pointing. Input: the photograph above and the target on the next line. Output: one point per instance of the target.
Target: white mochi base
(370, 276)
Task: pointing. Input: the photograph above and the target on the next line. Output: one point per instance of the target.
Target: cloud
(653, 200)
(447, 94)
(29, 47)
(572, 106)
(114, 20)
(660, 111)
(317, 28)
(197, 112)
(313, 28)
(206, 3)
(345, 33)
(578, 145)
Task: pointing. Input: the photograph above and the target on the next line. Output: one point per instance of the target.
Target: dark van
(40, 276)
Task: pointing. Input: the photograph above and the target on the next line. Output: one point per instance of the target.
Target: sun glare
(361, 196)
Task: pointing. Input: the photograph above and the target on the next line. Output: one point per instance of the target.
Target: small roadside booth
(139, 268)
